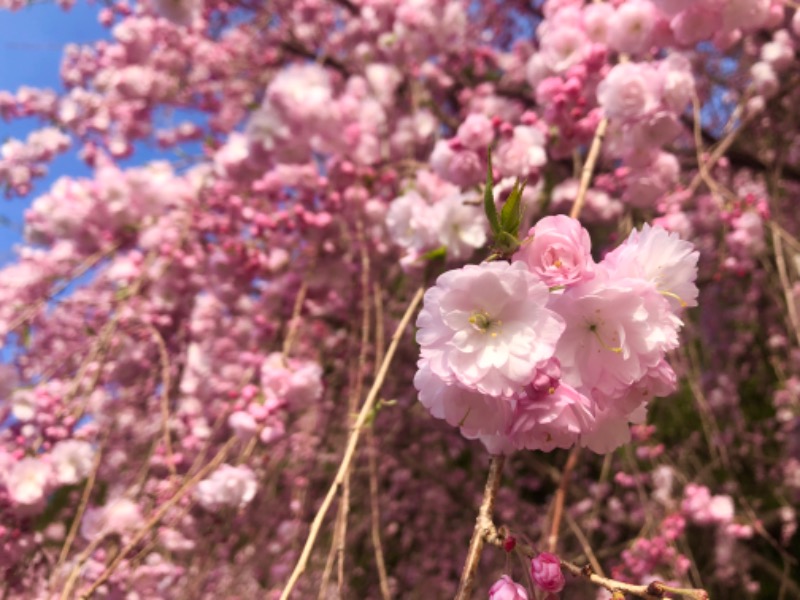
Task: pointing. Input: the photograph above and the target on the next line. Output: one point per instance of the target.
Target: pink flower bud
(505, 589)
(546, 572)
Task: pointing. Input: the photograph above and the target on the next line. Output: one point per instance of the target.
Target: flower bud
(546, 572)
(505, 589)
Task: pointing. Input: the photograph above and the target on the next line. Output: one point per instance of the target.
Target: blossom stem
(483, 528)
(352, 442)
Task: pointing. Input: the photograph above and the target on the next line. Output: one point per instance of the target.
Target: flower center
(481, 321)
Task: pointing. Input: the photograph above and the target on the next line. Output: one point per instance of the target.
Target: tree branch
(483, 528)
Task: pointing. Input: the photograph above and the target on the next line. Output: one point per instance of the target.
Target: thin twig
(82, 268)
(166, 384)
(588, 168)
(584, 542)
(66, 593)
(375, 516)
(356, 394)
(483, 525)
(291, 334)
(372, 451)
(158, 515)
(654, 590)
(718, 152)
(783, 273)
(560, 497)
(352, 442)
(76, 521)
(326, 572)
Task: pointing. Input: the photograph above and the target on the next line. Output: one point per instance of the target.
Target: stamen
(675, 296)
(615, 349)
(480, 320)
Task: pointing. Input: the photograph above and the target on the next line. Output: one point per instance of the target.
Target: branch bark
(483, 528)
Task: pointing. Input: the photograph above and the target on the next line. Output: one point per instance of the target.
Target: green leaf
(439, 252)
(511, 214)
(506, 243)
(488, 198)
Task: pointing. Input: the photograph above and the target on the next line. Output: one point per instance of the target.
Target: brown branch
(560, 497)
(650, 591)
(588, 167)
(294, 47)
(654, 590)
(483, 527)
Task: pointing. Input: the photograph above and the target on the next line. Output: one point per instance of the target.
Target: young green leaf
(488, 198)
(511, 214)
(439, 252)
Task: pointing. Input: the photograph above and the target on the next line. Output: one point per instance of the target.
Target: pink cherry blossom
(474, 412)
(461, 225)
(630, 91)
(597, 17)
(558, 250)
(27, 481)
(548, 419)
(522, 153)
(486, 327)
(617, 329)
(412, 223)
(563, 47)
(476, 132)
(180, 12)
(119, 515)
(228, 486)
(661, 258)
(631, 25)
(71, 461)
(678, 82)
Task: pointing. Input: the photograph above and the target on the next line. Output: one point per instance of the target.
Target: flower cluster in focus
(554, 349)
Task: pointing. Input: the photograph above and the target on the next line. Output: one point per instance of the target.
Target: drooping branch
(352, 442)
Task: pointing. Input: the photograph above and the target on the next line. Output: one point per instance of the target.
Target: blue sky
(31, 44)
